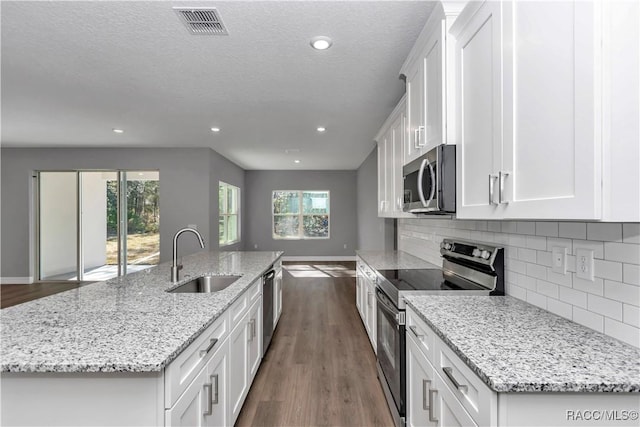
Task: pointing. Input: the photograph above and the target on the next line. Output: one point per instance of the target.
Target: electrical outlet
(584, 264)
(559, 260)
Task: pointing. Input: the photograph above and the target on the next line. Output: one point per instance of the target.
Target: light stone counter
(514, 346)
(129, 324)
(393, 260)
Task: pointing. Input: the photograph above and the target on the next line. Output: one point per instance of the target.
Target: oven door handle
(386, 306)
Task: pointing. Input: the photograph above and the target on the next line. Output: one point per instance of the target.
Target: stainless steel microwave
(429, 182)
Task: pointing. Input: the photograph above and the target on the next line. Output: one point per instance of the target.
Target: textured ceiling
(72, 71)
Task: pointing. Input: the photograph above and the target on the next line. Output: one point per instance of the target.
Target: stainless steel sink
(206, 284)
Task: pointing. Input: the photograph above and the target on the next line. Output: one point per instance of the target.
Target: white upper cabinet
(533, 83)
(429, 84)
(391, 142)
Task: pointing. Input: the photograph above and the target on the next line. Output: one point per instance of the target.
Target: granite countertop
(128, 324)
(393, 260)
(514, 346)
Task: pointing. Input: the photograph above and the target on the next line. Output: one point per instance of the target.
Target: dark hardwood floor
(17, 294)
(320, 368)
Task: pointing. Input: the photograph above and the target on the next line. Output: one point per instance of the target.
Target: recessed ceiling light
(321, 129)
(118, 130)
(296, 161)
(321, 43)
(215, 129)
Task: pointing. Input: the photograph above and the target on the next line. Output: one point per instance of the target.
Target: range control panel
(482, 253)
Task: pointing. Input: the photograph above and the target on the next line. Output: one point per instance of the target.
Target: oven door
(391, 347)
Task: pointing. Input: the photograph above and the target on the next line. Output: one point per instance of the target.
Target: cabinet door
(255, 338)
(192, 408)
(433, 89)
(479, 87)
(415, 112)
(371, 313)
(552, 146)
(449, 411)
(382, 182)
(359, 293)
(217, 369)
(238, 366)
(420, 386)
(395, 182)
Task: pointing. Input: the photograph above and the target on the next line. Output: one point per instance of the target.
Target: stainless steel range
(468, 268)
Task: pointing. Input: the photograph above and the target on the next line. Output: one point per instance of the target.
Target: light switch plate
(584, 264)
(559, 260)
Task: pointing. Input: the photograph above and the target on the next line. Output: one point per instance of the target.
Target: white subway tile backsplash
(631, 274)
(537, 271)
(622, 331)
(537, 299)
(609, 304)
(543, 258)
(631, 233)
(526, 227)
(559, 278)
(573, 297)
(607, 269)
(622, 252)
(536, 242)
(608, 232)
(604, 306)
(596, 247)
(527, 255)
(573, 230)
(596, 287)
(557, 242)
(588, 319)
(560, 308)
(547, 288)
(631, 315)
(549, 229)
(622, 292)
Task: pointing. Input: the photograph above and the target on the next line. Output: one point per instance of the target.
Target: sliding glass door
(96, 225)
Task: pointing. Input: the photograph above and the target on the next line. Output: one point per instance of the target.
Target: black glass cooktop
(425, 280)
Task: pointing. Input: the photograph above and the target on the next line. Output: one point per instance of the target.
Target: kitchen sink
(206, 284)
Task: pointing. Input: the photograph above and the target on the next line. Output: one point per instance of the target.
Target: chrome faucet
(175, 267)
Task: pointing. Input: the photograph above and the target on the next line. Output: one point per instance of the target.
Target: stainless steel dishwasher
(267, 308)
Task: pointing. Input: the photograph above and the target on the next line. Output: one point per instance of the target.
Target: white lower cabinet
(277, 297)
(204, 402)
(366, 299)
(254, 350)
(239, 366)
(420, 386)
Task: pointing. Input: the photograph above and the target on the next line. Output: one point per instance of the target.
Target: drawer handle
(209, 410)
(250, 337)
(214, 397)
(212, 343)
(449, 373)
(415, 332)
(426, 384)
(431, 417)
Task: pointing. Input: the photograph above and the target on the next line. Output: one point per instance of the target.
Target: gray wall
(373, 233)
(343, 219)
(186, 193)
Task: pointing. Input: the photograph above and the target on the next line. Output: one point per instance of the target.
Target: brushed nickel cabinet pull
(415, 332)
(492, 179)
(501, 176)
(426, 384)
(212, 343)
(449, 373)
(431, 417)
(209, 411)
(214, 397)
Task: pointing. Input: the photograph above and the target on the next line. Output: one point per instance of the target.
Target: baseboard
(320, 258)
(16, 280)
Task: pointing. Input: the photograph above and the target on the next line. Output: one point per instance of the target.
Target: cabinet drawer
(180, 372)
(255, 291)
(421, 333)
(474, 395)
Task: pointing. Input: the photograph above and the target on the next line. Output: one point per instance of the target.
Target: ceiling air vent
(202, 20)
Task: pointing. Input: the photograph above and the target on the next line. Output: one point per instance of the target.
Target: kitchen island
(108, 349)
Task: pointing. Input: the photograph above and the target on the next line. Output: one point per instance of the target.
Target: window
(229, 206)
(300, 214)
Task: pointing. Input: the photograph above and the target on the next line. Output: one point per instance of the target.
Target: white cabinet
(530, 101)
(430, 84)
(239, 365)
(255, 338)
(390, 141)
(366, 299)
(420, 387)
(203, 403)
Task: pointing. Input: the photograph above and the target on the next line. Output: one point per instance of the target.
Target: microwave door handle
(420, 190)
(433, 182)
